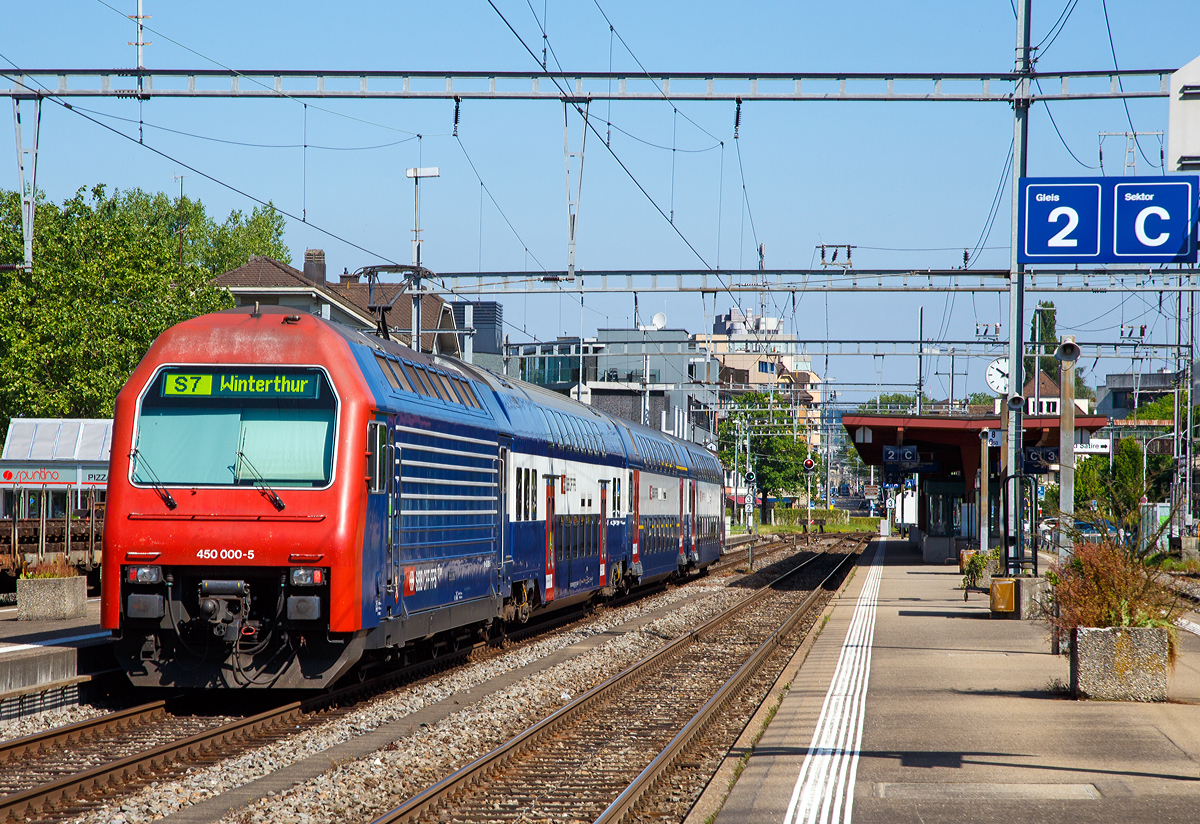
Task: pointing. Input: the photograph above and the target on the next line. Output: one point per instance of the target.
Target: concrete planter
(992, 570)
(51, 599)
(1119, 663)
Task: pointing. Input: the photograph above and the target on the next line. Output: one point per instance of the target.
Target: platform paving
(944, 714)
(57, 656)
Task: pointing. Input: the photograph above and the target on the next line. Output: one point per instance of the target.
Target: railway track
(740, 553)
(602, 755)
(68, 770)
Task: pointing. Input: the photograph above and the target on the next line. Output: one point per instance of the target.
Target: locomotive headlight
(144, 574)
(308, 577)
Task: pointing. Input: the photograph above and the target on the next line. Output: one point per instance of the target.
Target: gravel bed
(42, 721)
(432, 752)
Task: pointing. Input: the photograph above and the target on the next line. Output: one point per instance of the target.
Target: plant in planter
(1120, 617)
(980, 568)
(51, 591)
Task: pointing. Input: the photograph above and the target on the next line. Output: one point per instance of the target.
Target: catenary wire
(282, 94)
(49, 96)
(1061, 139)
(249, 145)
(1129, 118)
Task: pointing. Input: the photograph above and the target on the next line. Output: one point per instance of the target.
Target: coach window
(405, 383)
(387, 371)
(436, 385)
(451, 395)
(418, 380)
(431, 382)
(520, 493)
(468, 395)
(533, 493)
(528, 495)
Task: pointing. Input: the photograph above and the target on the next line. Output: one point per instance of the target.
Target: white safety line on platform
(1189, 626)
(825, 787)
(52, 642)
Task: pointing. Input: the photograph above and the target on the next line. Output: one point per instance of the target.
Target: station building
(657, 376)
(951, 457)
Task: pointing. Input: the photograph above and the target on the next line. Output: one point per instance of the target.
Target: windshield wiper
(158, 485)
(275, 500)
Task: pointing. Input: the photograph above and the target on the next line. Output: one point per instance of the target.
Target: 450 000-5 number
(225, 554)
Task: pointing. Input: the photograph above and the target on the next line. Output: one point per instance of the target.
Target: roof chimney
(346, 278)
(314, 265)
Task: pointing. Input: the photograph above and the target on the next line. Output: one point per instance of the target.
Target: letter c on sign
(1139, 226)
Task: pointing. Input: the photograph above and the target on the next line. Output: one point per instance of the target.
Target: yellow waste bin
(1004, 595)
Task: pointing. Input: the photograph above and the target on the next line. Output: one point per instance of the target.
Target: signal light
(144, 575)
(809, 464)
(307, 577)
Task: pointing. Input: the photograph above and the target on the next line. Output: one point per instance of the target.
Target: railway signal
(809, 464)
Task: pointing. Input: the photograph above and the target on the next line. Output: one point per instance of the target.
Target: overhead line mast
(1014, 553)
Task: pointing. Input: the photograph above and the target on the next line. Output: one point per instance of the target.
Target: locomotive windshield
(200, 426)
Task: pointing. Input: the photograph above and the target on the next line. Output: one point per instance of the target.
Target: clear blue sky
(898, 176)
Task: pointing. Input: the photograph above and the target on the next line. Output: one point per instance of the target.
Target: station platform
(913, 706)
(44, 664)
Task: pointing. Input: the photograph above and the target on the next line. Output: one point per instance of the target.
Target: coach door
(505, 540)
(602, 529)
(635, 497)
(682, 519)
(692, 519)
(393, 522)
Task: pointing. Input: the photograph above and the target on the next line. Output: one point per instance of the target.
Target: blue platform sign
(1063, 220)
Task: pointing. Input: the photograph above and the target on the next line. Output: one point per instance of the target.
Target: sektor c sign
(1108, 220)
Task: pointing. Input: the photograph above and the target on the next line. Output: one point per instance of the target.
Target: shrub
(976, 564)
(57, 568)
(1103, 584)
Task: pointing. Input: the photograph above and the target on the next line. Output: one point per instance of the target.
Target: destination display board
(1107, 219)
(271, 384)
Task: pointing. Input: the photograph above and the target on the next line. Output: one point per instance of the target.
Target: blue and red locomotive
(290, 498)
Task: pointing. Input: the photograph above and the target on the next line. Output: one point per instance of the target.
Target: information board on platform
(1107, 219)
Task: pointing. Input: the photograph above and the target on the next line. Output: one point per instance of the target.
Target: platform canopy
(949, 445)
(56, 453)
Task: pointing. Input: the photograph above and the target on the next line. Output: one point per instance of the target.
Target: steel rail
(20, 804)
(424, 801)
(31, 802)
(623, 806)
(79, 731)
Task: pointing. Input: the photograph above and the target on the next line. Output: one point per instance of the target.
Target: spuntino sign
(35, 476)
(22, 476)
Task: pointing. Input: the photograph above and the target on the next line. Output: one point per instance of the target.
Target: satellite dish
(659, 320)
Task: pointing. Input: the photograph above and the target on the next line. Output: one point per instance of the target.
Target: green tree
(776, 454)
(1163, 409)
(1112, 496)
(981, 399)
(887, 401)
(106, 281)
(1043, 332)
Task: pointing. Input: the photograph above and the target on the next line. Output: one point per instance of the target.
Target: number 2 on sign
(1061, 238)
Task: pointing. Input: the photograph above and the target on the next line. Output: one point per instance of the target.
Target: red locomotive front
(232, 546)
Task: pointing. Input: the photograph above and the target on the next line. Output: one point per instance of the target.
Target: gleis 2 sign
(1107, 219)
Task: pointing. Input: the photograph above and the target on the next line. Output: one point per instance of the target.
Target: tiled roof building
(269, 282)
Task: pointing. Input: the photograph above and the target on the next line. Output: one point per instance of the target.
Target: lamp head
(1068, 351)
